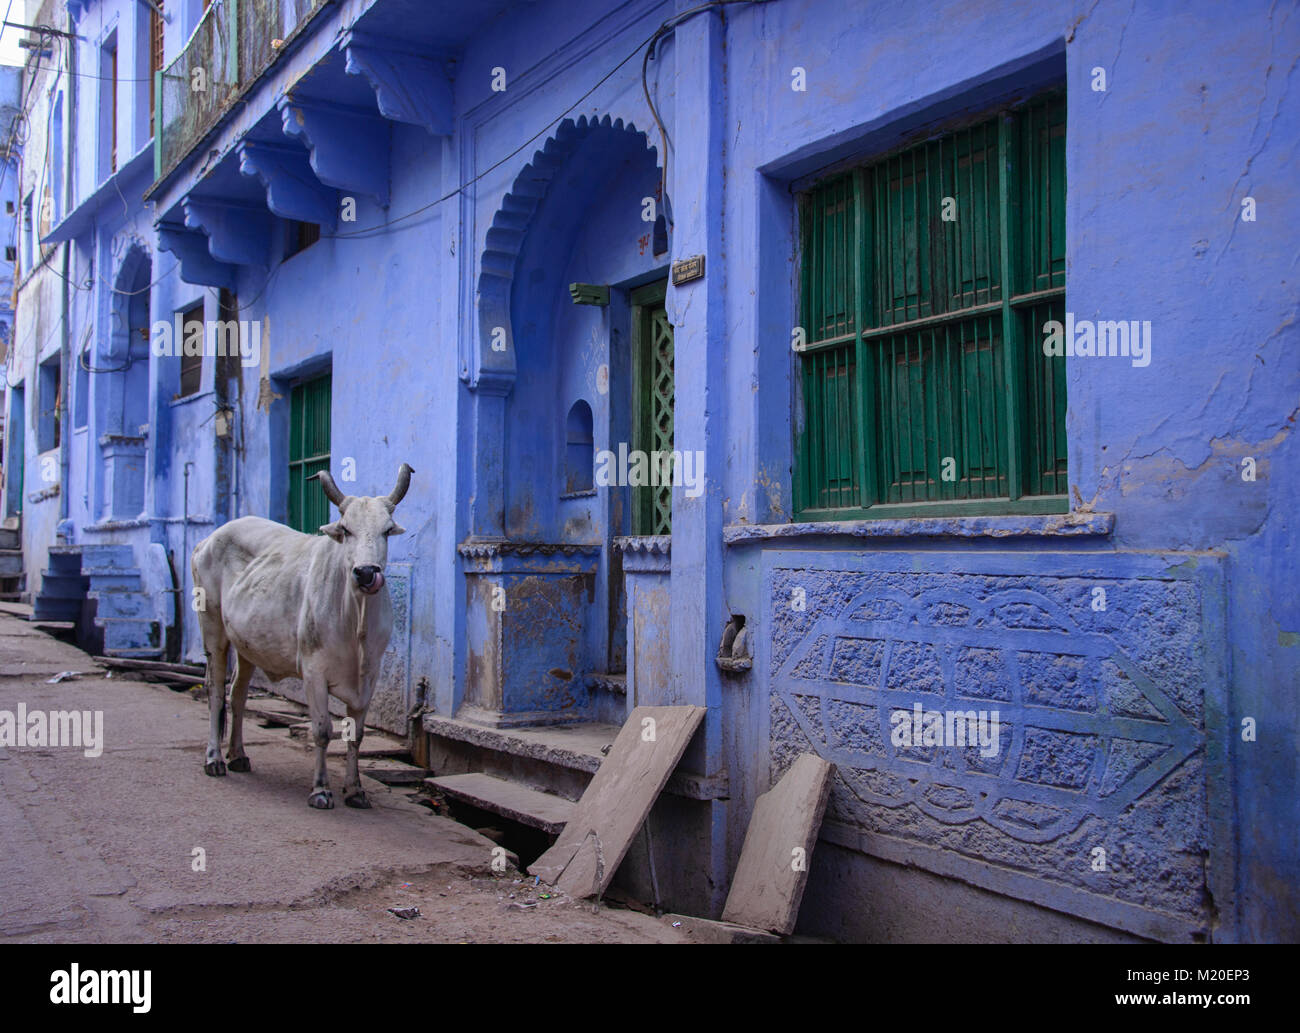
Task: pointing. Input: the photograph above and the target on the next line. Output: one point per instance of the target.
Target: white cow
(299, 605)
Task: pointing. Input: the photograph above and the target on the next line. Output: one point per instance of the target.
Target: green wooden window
(653, 398)
(926, 279)
(309, 453)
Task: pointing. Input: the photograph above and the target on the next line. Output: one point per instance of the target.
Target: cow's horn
(331, 489)
(403, 482)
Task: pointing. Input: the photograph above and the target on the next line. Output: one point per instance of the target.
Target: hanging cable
(666, 27)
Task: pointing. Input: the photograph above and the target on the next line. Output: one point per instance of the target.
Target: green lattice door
(309, 453)
(652, 505)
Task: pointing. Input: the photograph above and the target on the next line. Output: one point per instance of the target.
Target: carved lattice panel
(1105, 745)
(654, 396)
(661, 411)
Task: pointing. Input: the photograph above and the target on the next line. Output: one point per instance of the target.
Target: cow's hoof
(358, 800)
(322, 800)
(214, 768)
(239, 764)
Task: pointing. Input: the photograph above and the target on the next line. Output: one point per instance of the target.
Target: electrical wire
(648, 45)
(668, 25)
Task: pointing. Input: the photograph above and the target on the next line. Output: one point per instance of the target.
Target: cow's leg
(318, 703)
(353, 794)
(215, 645)
(236, 758)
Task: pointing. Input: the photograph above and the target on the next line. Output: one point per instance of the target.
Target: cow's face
(363, 529)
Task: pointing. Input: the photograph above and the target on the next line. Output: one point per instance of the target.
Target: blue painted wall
(10, 96)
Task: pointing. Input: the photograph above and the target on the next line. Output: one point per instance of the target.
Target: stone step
(129, 633)
(615, 683)
(558, 758)
(11, 562)
(576, 746)
(10, 538)
(122, 604)
(56, 608)
(146, 653)
(118, 557)
(113, 575)
(391, 772)
(509, 799)
(62, 585)
(561, 758)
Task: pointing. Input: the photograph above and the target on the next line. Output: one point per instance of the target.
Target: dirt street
(138, 845)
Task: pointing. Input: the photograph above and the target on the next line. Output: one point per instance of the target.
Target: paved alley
(103, 849)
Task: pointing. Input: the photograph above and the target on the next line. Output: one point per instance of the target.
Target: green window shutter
(829, 297)
(1041, 160)
(1041, 128)
(830, 446)
(1045, 402)
(925, 280)
(309, 453)
(655, 396)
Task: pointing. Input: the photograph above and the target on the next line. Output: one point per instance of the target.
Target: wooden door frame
(640, 300)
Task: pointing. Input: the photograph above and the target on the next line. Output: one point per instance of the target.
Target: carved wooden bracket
(348, 147)
(191, 249)
(410, 86)
(238, 232)
(292, 189)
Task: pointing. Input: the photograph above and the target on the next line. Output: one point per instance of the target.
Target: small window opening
(191, 364)
(579, 457)
(301, 236)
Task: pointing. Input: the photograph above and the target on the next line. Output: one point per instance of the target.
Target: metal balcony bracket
(292, 189)
(348, 147)
(410, 86)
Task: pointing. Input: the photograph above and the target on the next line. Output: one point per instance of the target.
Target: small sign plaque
(688, 269)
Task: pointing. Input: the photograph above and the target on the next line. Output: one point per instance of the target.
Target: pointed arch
(490, 364)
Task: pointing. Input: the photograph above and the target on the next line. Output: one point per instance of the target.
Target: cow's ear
(334, 530)
(395, 529)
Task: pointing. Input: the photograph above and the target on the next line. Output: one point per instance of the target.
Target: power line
(667, 26)
(648, 45)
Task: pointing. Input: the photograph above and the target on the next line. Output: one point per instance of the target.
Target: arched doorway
(554, 378)
(122, 398)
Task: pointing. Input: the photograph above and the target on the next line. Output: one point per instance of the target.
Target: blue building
(11, 563)
(963, 337)
(10, 125)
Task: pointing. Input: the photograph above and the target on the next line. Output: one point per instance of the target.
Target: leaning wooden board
(618, 799)
(773, 866)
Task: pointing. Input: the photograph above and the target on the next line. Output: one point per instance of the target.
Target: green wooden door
(653, 397)
(309, 453)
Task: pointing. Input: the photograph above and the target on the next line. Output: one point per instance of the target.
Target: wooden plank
(773, 867)
(619, 797)
(150, 665)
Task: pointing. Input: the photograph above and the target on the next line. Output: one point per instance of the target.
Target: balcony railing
(229, 48)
